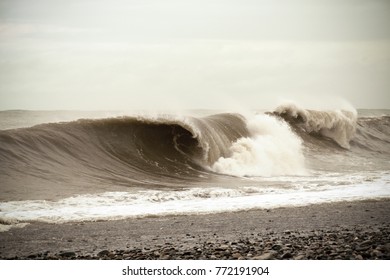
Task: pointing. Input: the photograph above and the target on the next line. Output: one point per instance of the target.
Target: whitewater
(61, 167)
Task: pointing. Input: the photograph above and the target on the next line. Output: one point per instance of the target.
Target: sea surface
(69, 166)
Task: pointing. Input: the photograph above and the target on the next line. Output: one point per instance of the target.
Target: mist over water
(111, 165)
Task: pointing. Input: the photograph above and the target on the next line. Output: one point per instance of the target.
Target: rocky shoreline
(343, 244)
(358, 231)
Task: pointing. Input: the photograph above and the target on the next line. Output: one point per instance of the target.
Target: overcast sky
(154, 54)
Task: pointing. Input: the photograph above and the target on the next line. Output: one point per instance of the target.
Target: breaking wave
(131, 151)
(92, 155)
(339, 125)
(271, 149)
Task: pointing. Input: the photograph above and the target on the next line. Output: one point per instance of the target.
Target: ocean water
(65, 166)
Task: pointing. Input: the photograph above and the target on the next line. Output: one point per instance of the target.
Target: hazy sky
(155, 54)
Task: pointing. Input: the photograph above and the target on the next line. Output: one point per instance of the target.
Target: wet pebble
(338, 243)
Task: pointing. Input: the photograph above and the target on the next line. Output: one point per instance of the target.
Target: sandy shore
(348, 230)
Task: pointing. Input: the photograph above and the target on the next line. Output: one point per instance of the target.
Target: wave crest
(126, 151)
(338, 125)
(272, 149)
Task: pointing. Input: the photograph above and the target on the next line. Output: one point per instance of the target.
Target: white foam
(119, 205)
(7, 223)
(273, 149)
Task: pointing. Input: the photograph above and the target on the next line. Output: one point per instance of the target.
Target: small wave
(7, 223)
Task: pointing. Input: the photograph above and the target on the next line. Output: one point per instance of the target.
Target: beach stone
(276, 247)
(300, 257)
(236, 256)
(224, 247)
(68, 254)
(103, 253)
(310, 254)
(377, 253)
(359, 257)
(267, 256)
(156, 253)
(287, 255)
(360, 248)
(365, 243)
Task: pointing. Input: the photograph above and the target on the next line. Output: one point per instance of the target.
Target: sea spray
(338, 125)
(272, 149)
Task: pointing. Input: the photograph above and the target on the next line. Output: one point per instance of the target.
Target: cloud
(192, 52)
(195, 73)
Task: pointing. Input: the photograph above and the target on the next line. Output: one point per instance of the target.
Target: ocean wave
(168, 151)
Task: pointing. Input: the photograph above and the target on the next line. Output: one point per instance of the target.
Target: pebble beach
(347, 230)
